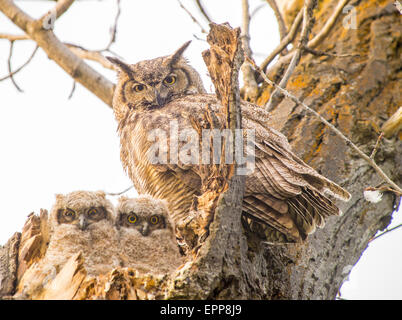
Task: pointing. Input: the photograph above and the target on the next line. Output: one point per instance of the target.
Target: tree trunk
(356, 93)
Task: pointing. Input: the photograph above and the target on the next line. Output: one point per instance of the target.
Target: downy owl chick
(83, 221)
(147, 240)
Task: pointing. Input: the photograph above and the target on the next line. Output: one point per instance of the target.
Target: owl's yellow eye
(154, 219)
(138, 87)
(92, 212)
(132, 218)
(69, 214)
(169, 80)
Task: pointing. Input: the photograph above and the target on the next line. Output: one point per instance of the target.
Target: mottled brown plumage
(147, 238)
(284, 197)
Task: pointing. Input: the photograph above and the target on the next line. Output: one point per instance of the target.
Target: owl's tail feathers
(269, 223)
(287, 220)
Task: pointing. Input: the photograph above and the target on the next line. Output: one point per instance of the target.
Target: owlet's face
(143, 223)
(81, 217)
(81, 209)
(151, 84)
(143, 214)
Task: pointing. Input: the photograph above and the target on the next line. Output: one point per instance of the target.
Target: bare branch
(57, 51)
(72, 91)
(113, 29)
(377, 144)
(62, 6)
(393, 124)
(281, 23)
(90, 55)
(192, 17)
(77, 50)
(9, 67)
(385, 232)
(250, 83)
(285, 41)
(13, 37)
(202, 10)
(328, 25)
(306, 29)
(323, 53)
(332, 127)
(316, 40)
(119, 193)
(21, 67)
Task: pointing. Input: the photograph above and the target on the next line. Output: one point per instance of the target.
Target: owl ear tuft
(59, 197)
(177, 55)
(119, 65)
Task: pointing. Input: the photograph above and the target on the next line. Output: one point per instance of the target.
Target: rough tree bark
(357, 92)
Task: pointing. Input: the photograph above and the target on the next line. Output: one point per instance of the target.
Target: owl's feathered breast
(282, 191)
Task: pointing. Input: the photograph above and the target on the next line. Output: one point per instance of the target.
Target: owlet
(147, 240)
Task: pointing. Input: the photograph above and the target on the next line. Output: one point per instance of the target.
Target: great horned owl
(83, 221)
(147, 238)
(284, 197)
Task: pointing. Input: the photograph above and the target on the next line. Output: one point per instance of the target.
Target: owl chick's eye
(69, 214)
(169, 80)
(93, 212)
(132, 218)
(154, 219)
(138, 87)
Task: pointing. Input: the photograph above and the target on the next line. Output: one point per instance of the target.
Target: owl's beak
(158, 98)
(145, 229)
(83, 222)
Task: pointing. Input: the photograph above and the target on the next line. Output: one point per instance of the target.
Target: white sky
(49, 144)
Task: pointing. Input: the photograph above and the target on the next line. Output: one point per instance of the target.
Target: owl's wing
(283, 191)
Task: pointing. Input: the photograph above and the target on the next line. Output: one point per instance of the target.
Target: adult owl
(146, 233)
(284, 197)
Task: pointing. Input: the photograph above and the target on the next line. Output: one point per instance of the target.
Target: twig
(60, 53)
(384, 189)
(250, 83)
(14, 37)
(281, 23)
(91, 55)
(192, 17)
(119, 193)
(393, 124)
(22, 66)
(323, 53)
(332, 127)
(256, 9)
(315, 41)
(386, 231)
(72, 91)
(377, 144)
(10, 55)
(328, 25)
(306, 28)
(202, 10)
(76, 49)
(62, 6)
(113, 29)
(285, 41)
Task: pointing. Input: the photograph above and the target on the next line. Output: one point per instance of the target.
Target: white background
(49, 144)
